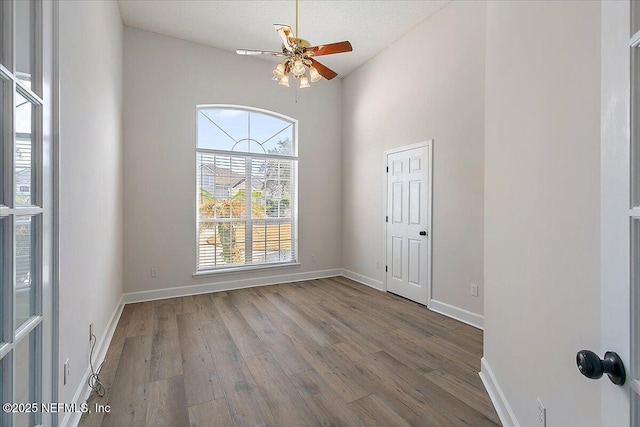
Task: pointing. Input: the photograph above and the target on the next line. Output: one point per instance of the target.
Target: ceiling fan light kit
(299, 56)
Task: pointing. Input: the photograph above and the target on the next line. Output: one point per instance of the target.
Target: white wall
(542, 211)
(90, 177)
(165, 78)
(427, 85)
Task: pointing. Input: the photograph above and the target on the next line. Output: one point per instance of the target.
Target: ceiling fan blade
(258, 52)
(330, 49)
(288, 40)
(324, 71)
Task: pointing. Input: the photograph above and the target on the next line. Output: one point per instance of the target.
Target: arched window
(246, 185)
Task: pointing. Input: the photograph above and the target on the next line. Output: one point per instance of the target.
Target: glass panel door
(25, 213)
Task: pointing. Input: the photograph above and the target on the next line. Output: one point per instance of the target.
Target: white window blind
(246, 188)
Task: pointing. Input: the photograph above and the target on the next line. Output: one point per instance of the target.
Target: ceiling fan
(299, 55)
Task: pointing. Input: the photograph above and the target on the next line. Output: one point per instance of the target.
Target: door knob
(591, 366)
(423, 233)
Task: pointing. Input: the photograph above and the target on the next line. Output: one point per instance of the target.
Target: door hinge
(386, 268)
(387, 169)
(386, 219)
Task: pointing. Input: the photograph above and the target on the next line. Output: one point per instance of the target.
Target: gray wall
(90, 178)
(427, 85)
(165, 78)
(542, 206)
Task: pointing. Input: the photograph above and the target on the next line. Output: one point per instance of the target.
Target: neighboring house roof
(225, 177)
(23, 172)
(23, 176)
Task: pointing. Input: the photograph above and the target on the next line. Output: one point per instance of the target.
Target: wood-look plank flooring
(327, 352)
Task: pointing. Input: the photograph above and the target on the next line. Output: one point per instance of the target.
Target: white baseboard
(506, 414)
(229, 285)
(365, 280)
(71, 419)
(457, 313)
(448, 310)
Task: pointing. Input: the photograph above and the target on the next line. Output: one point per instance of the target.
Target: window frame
(249, 156)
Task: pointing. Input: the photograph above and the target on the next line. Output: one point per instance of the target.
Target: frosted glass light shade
(279, 71)
(298, 68)
(284, 81)
(313, 73)
(304, 83)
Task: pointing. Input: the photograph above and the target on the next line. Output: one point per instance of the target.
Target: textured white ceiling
(369, 25)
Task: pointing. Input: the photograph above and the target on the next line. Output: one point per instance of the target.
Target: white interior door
(620, 207)
(408, 220)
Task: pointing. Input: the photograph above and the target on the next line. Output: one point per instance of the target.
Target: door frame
(615, 280)
(428, 144)
(55, 206)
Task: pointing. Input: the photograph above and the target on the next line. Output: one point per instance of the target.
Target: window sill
(243, 269)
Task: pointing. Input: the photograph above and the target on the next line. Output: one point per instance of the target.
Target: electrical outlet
(67, 372)
(90, 331)
(542, 414)
(474, 290)
(154, 272)
(313, 258)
